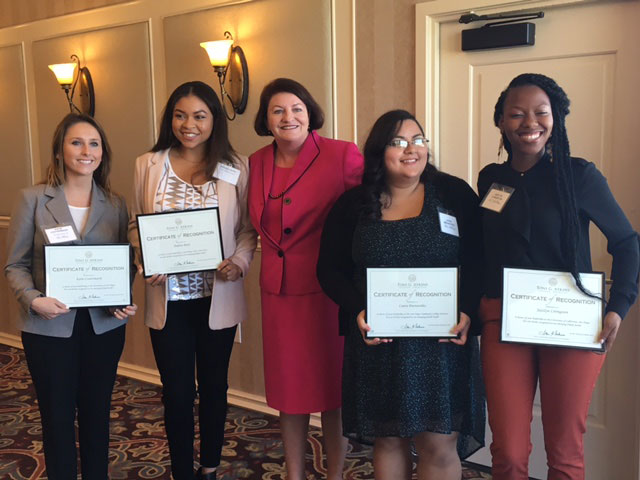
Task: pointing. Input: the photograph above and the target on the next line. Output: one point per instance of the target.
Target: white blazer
(239, 239)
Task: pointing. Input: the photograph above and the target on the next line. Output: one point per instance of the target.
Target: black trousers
(186, 341)
(75, 374)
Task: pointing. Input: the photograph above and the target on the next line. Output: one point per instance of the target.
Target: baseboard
(137, 372)
(237, 398)
(10, 340)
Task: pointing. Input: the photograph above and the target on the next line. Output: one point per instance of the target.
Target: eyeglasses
(402, 143)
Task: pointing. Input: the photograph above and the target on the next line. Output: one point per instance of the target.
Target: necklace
(273, 196)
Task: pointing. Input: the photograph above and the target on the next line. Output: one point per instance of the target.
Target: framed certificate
(88, 275)
(545, 307)
(180, 242)
(412, 302)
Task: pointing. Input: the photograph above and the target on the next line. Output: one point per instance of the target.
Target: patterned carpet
(138, 448)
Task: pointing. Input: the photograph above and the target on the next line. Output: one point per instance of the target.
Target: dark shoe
(205, 476)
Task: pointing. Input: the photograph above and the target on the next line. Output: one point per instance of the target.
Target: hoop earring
(548, 148)
(500, 147)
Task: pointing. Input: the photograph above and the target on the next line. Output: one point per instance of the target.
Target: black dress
(410, 385)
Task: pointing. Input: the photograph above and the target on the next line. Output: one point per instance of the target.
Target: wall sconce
(228, 59)
(69, 79)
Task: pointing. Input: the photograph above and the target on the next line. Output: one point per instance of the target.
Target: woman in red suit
(293, 183)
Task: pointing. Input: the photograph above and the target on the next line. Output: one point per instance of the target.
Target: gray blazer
(40, 207)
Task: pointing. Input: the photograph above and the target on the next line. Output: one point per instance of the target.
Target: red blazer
(325, 168)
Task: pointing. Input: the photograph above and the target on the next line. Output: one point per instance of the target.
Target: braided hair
(558, 148)
(374, 178)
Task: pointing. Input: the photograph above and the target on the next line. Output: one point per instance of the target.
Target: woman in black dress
(406, 389)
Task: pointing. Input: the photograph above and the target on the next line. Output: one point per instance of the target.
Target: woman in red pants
(545, 224)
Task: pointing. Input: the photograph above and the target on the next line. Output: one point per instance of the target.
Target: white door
(591, 50)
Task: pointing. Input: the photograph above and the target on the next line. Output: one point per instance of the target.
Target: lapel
(308, 154)
(152, 180)
(268, 161)
(226, 194)
(57, 205)
(97, 209)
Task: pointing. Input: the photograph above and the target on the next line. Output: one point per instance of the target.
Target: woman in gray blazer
(72, 354)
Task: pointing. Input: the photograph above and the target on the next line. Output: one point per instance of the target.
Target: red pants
(567, 379)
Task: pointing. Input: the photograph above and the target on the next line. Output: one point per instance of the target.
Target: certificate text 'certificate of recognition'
(547, 308)
(88, 275)
(180, 242)
(412, 302)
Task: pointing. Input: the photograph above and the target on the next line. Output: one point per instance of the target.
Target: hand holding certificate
(412, 302)
(180, 242)
(88, 275)
(547, 308)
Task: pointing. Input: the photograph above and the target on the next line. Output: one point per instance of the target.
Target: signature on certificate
(411, 326)
(551, 333)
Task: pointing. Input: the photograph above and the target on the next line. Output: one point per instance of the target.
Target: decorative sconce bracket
(232, 74)
(238, 73)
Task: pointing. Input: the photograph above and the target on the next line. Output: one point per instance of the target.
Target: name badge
(60, 234)
(448, 222)
(226, 173)
(497, 197)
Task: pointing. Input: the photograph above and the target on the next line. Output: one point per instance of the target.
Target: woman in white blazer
(72, 353)
(193, 317)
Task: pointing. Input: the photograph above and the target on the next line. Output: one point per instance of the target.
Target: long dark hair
(218, 146)
(280, 85)
(374, 179)
(558, 147)
(56, 174)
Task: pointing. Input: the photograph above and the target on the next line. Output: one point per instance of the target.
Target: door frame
(429, 15)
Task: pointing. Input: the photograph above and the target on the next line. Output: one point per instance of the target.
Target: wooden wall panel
(385, 60)
(14, 134)
(10, 307)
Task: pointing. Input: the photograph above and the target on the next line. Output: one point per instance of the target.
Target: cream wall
(137, 53)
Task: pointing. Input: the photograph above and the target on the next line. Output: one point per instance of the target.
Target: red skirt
(302, 353)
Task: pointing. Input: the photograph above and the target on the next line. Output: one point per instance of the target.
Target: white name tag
(497, 197)
(60, 234)
(227, 173)
(448, 223)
